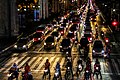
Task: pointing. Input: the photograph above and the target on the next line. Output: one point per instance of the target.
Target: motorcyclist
(97, 64)
(47, 66)
(79, 62)
(27, 68)
(69, 64)
(87, 73)
(14, 70)
(108, 50)
(58, 67)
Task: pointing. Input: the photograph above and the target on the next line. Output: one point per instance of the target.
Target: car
(37, 37)
(84, 43)
(61, 30)
(41, 28)
(50, 42)
(23, 43)
(74, 28)
(49, 27)
(98, 48)
(71, 36)
(88, 28)
(89, 36)
(65, 45)
(56, 34)
(93, 18)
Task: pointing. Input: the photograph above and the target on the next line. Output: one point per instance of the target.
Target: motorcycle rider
(87, 73)
(47, 66)
(97, 64)
(58, 67)
(79, 62)
(27, 68)
(14, 70)
(69, 64)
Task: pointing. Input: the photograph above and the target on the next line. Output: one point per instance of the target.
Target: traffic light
(114, 23)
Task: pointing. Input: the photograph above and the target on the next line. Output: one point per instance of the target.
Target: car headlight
(102, 51)
(24, 46)
(60, 46)
(69, 46)
(38, 38)
(52, 43)
(44, 43)
(93, 51)
(15, 46)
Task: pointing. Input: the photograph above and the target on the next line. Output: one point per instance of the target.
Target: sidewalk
(6, 41)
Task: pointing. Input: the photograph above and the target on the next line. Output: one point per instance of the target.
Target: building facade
(8, 20)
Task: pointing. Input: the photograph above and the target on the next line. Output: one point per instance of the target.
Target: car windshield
(98, 44)
(22, 40)
(40, 28)
(37, 35)
(49, 39)
(87, 35)
(55, 34)
(72, 28)
(60, 29)
(84, 41)
(70, 35)
(65, 42)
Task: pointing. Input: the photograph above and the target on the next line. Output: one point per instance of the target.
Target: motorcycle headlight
(68, 67)
(102, 51)
(52, 43)
(15, 46)
(56, 73)
(44, 43)
(24, 46)
(93, 51)
(46, 70)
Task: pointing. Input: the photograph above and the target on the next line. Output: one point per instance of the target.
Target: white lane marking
(54, 64)
(62, 62)
(8, 64)
(42, 63)
(37, 61)
(20, 59)
(31, 61)
(23, 62)
(102, 67)
(75, 61)
(114, 63)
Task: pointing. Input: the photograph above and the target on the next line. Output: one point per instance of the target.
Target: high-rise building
(8, 20)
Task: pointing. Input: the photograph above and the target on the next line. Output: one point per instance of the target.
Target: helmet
(14, 64)
(47, 60)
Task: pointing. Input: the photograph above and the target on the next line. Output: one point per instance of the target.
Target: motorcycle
(27, 76)
(68, 73)
(46, 72)
(79, 68)
(56, 75)
(13, 74)
(97, 71)
(87, 75)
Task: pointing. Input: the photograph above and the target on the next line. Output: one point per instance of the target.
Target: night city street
(64, 32)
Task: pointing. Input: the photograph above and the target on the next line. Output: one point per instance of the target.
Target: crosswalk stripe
(54, 64)
(31, 61)
(23, 62)
(75, 61)
(20, 59)
(114, 63)
(38, 60)
(8, 64)
(62, 62)
(42, 63)
(102, 67)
